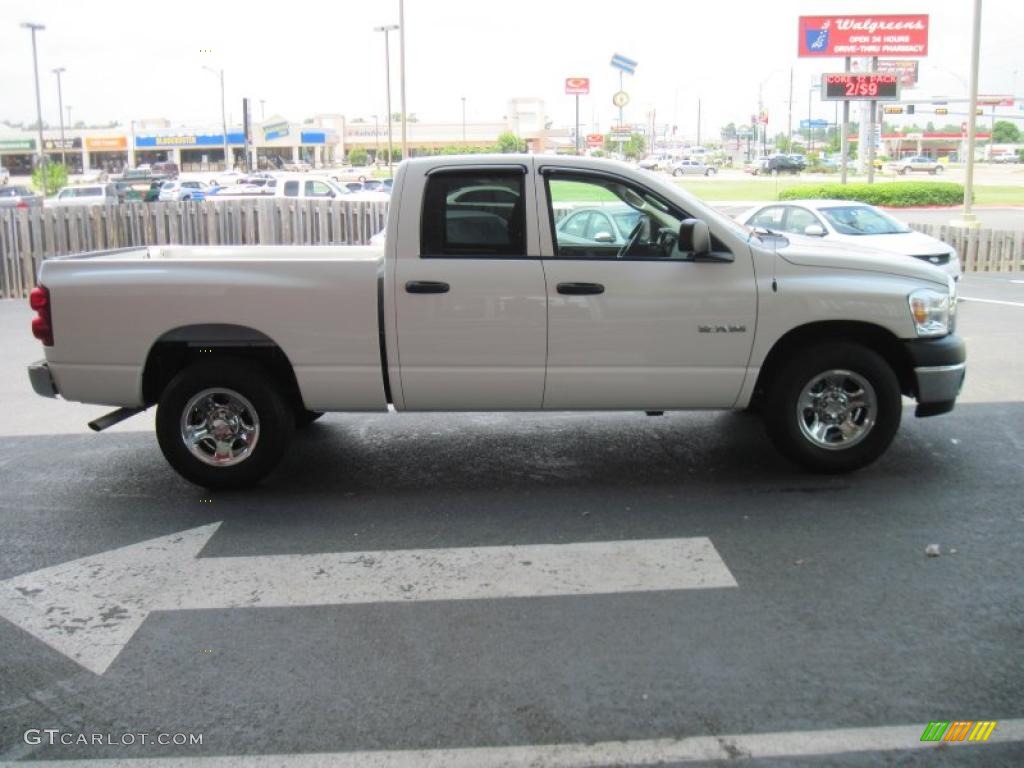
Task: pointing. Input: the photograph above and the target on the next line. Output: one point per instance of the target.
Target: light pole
(810, 126)
(387, 29)
(463, 121)
(68, 108)
(223, 115)
(60, 111)
(263, 110)
(968, 219)
(39, 104)
(401, 75)
(376, 140)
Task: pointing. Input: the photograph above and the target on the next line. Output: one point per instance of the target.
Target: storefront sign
(8, 144)
(58, 144)
(106, 143)
(190, 140)
(907, 70)
(577, 86)
(275, 131)
(313, 137)
(863, 35)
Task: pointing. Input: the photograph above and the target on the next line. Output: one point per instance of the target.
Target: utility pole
(223, 117)
(464, 119)
(698, 122)
(263, 110)
(789, 137)
(401, 74)
(60, 111)
(387, 29)
(39, 103)
(968, 219)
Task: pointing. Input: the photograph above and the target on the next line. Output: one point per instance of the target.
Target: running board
(112, 418)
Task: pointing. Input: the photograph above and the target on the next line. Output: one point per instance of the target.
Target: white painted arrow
(88, 609)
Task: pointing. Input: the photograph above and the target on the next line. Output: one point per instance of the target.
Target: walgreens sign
(863, 35)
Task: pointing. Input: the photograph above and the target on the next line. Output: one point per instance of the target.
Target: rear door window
(291, 189)
(474, 213)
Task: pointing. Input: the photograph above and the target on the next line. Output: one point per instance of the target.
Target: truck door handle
(426, 286)
(580, 289)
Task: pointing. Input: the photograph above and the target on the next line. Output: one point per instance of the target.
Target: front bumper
(940, 366)
(41, 379)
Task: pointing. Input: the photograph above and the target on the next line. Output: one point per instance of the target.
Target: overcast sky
(136, 59)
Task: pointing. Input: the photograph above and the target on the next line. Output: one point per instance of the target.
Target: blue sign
(190, 140)
(620, 62)
(313, 137)
(818, 123)
(816, 40)
(276, 131)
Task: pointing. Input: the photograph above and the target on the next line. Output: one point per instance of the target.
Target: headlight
(930, 311)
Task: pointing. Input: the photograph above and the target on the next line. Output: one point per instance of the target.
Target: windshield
(862, 220)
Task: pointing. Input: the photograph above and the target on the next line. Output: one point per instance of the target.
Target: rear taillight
(22, 205)
(42, 323)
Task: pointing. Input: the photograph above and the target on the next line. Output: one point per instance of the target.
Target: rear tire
(834, 407)
(224, 423)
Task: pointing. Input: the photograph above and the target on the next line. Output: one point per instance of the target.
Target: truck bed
(318, 304)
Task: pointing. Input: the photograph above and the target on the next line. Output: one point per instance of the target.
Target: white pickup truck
(506, 283)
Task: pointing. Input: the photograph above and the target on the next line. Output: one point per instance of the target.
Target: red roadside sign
(577, 86)
(595, 139)
(883, 35)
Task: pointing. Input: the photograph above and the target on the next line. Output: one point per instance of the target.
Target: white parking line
(751, 746)
(993, 301)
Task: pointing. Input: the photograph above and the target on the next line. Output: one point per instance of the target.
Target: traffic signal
(942, 110)
(892, 109)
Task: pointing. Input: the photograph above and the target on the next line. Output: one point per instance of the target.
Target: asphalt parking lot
(808, 626)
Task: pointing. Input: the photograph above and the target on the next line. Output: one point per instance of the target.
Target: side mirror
(694, 237)
(604, 237)
(814, 230)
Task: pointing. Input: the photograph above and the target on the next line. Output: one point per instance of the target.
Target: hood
(815, 252)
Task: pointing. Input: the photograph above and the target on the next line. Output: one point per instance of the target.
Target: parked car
(693, 168)
(799, 159)
(303, 186)
(856, 224)
(915, 164)
(773, 166)
(1006, 157)
(86, 194)
(18, 196)
(296, 166)
(490, 308)
(176, 191)
(655, 162)
(166, 168)
(610, 225)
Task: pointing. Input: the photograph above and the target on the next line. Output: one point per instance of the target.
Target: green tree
(728, 132)
(1005, 132)
(396, 155)
(49, 178)
(782, 142)
(509, 142)
(358, 156)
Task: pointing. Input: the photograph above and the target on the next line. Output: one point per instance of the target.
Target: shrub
(896, 195)
(358, 156)
(49, 178)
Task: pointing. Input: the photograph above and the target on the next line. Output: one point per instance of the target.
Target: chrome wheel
(837, 409)
(220, 427)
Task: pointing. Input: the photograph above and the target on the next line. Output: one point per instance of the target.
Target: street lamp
(60, 111)
(35, 65)
(463, 120)
(376, 140)
(223, 114)
(386, 29)
(810, 126)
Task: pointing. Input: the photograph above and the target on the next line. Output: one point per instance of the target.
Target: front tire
(834, 408)
(224, 423)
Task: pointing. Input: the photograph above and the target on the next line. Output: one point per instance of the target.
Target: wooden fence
(981, 250)
(27, 237)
